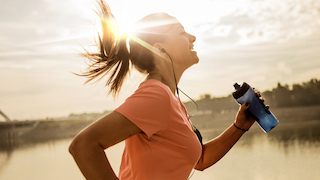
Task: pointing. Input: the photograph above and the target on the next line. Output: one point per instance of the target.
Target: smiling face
(162, 31)
(179, 45)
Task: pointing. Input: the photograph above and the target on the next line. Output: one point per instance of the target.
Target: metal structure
(5, 116)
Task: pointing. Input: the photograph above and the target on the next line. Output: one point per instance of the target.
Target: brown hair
(115, 57)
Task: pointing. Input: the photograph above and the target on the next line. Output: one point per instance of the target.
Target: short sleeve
(148, 108)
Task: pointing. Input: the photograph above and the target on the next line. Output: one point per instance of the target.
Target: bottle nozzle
(236, 85)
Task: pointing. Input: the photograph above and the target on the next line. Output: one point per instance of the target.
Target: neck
(167, 79)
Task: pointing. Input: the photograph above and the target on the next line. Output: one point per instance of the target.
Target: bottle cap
(240, 90)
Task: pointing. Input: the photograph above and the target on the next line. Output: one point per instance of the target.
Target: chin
(195, 59)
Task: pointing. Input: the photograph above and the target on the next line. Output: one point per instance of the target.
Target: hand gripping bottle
(244, 93)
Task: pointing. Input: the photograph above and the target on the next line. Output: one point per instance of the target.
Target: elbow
(199, 168)
(74, 146)
(84, 144)
(202, 165)
(78, 145)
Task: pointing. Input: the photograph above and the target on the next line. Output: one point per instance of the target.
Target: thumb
(243, 119)
(242, 114)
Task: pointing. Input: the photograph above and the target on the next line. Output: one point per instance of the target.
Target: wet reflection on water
(266, 159)
(290, 152)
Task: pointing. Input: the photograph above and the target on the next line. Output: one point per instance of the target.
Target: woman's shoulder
(154, 86)
(153, 91)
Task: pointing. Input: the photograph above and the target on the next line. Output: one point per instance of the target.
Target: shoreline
(298, 122)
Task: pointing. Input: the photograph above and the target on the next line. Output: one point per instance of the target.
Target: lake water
(291, 155)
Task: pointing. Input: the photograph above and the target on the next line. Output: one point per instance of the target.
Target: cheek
(183, 48)
(179, 42)
(179, 48)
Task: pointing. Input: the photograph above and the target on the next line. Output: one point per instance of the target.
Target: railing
(5, 116)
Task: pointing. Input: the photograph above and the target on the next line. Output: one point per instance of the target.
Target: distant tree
(312, 92)
(304, 94)
(206, 96)
(281, 95)
(298, 95)
(269, 98)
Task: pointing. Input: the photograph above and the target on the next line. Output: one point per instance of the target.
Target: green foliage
(304, 94)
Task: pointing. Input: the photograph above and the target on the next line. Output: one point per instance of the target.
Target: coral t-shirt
(168, 149)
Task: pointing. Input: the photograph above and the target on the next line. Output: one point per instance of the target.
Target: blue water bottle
(244, 93)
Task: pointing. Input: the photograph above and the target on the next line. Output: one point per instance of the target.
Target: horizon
(109, 110)
(260, 42)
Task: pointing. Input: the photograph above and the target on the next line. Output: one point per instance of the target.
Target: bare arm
(88, 146)
(215, 149)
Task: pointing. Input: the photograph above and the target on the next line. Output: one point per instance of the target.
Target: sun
(125, 26)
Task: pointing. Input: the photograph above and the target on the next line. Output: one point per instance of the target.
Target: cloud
(267, 21)
(222, 30)
(24, 23)
(263, 42)
(259, 41)
(284, 68)
(286, 19)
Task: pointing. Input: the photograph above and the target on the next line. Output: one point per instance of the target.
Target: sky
(261, 42)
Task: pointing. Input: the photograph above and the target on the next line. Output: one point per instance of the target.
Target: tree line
(304, 94)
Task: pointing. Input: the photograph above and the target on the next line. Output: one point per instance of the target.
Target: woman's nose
(192, 38)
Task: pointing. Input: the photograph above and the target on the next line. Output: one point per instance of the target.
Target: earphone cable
(191, 100)
(178, 89)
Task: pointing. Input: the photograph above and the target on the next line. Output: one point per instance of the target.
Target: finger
(258, 94)
(244, 106)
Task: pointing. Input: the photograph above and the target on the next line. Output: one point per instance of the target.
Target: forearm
(92, 161)
(88, 146)
(215, 149)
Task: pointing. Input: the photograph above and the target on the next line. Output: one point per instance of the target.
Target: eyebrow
(180, 27)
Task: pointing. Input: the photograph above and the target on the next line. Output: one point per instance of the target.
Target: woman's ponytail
(113, 56)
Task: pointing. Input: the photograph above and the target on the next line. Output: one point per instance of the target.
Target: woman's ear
(160, 51)
(158, 47)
